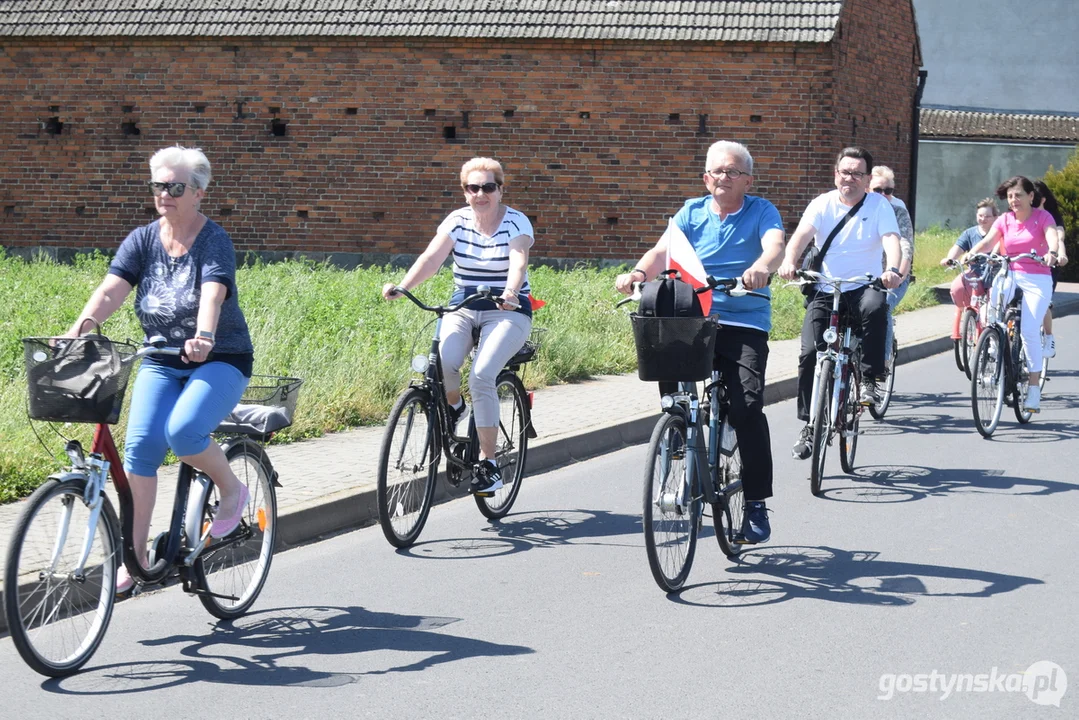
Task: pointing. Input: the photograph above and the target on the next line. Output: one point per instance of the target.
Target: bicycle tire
(968, 334)
(42, 607)
(405, 487)
(878, 410)
(236, 572)
(821, 425)
(987, 382)
(1022, 386)
(671, 538)
(852, 417)
(728, 512)
(514, 417)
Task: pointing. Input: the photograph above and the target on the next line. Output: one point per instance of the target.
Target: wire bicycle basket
(77, 380)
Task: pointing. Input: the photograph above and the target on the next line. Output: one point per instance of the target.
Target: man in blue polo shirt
(733, 235)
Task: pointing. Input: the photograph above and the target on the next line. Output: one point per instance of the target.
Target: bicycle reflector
(420, 363)
(261, 517)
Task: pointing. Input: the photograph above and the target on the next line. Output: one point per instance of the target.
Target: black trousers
(868, 312)
(741, 358)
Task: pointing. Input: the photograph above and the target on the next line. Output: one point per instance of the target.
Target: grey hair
(180, 158)
(726, 147)
(885, 172)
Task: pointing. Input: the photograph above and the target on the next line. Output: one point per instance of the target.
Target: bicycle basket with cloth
(268, 405)
(79, 380)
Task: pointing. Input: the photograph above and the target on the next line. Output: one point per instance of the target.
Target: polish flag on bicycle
(682, 257)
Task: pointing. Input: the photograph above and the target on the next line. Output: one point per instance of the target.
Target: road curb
(357, 508)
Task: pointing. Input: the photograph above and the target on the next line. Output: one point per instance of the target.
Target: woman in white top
(490, 243)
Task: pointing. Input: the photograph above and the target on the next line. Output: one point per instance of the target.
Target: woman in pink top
(1024, 229)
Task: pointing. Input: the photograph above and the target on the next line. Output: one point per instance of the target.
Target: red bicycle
(60, 578)
(979, 270)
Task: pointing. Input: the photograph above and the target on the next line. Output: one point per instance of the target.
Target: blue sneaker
(755, 527)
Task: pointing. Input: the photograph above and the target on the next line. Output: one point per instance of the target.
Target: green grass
(331, 327)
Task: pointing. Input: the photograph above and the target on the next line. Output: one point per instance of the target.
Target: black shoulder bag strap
(818, 261)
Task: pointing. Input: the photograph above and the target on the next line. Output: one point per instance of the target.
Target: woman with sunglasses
(882, 180)
(184, 268)
(1027, 228)
(490, 243)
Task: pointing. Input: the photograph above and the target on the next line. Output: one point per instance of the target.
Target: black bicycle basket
(674, 349)
(78, 380)
(268, 405)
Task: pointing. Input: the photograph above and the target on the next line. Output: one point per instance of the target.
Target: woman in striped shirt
(490, 243)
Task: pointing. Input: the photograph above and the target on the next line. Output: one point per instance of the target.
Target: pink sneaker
(124, 581)
(225, 524)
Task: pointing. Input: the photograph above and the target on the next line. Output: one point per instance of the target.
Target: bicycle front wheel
(232, 571)
(407, 467)
(670, 510)
(513, 419)
(987, 382)
(57, 614)
(822, 424)
(1022, 385)
(968, 338)
(728, 512)
(878, 409)
(852, 416)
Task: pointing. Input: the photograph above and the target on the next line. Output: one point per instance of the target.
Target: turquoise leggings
(177, 409)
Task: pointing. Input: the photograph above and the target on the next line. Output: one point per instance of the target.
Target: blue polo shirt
(727, 248)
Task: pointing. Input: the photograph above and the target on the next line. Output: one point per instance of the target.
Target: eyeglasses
(486, 187)
(173, 189)
(732, 173)
(852, 174)
(884, 191)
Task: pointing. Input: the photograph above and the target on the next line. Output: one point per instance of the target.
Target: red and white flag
(682, 257)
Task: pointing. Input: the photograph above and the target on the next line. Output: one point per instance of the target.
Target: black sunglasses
(172, 188)
(885, 191)
(486, 187)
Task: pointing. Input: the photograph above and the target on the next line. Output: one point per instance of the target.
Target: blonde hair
(483, 164)
(885, 172)
(180, 158)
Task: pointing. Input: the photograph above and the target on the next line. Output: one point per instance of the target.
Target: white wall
(1001, 54)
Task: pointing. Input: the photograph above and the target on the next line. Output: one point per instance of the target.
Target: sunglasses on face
(884, 191)
(174, 189)
(486, 187)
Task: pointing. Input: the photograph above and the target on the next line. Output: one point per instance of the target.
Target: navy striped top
(482, 260)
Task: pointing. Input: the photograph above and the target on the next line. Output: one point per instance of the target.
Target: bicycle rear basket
(79, 380)
(268, 405)
(674, 349)
(528, 351)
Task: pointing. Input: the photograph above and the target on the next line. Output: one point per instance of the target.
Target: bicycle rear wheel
(407, 467)
(232, 571)
(821, 424)
(513, 419)
(670, 510)
(878, 410)
(987, 382)
(56, 618)
(728, 512)
(852, 417)
(968, 337)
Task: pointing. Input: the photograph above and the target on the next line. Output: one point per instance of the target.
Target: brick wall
(600, 141)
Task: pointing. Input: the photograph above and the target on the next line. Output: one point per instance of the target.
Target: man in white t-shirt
(855, 251)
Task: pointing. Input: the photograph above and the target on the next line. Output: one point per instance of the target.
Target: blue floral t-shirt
(168, 290)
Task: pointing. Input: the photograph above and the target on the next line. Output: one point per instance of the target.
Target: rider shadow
(251, 649)
(907, 483)
(519, 532)
(779, 574)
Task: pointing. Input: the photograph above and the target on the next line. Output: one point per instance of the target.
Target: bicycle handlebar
(484, 293)
(732, 287)
(812, 276)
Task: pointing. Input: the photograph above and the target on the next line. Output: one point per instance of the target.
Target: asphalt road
(943, 555)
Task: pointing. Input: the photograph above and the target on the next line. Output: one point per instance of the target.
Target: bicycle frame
(842, 345)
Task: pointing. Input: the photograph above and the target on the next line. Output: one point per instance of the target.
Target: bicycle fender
(70, 475)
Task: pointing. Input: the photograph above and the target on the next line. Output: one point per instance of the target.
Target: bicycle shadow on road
(783, 573)
(519, 532)
(908, 418)
(251, 651)
(907, 483)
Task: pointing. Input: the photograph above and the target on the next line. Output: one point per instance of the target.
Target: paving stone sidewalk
(328, 483)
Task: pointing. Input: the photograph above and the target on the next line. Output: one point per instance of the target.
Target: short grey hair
(726, 147)
(885, 172)
(180, 158)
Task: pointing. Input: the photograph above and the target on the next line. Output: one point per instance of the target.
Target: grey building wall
(953, 176)
(1000, 54)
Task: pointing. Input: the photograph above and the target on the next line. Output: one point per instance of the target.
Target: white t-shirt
(857, 247)
(479, 259)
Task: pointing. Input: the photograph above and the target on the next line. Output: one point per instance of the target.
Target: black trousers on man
(741, 358)
(867, 309)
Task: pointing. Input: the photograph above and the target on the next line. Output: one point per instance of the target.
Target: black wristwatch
(895, 270)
